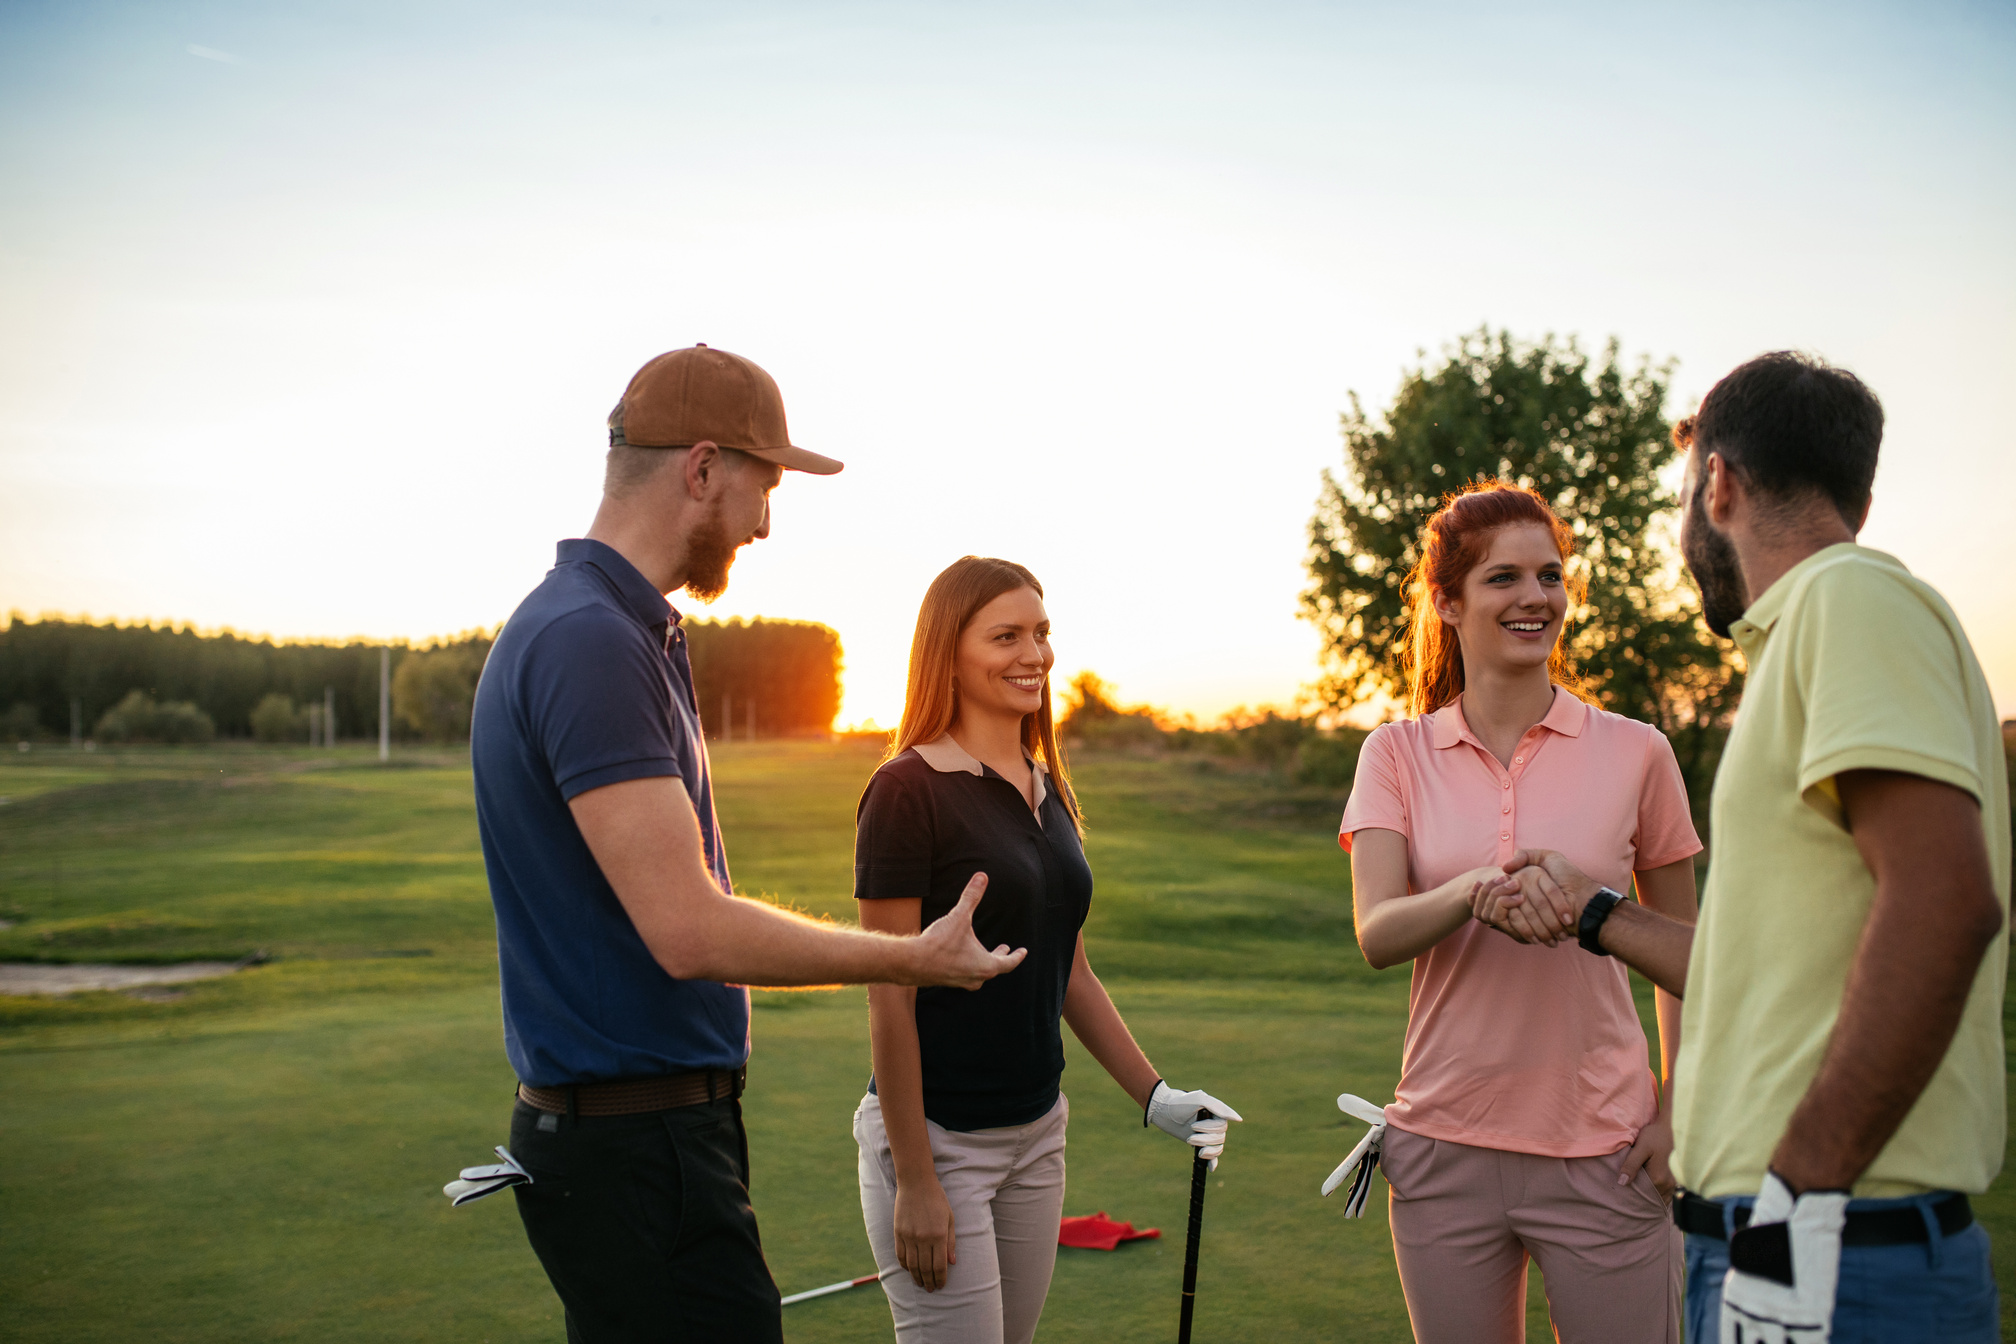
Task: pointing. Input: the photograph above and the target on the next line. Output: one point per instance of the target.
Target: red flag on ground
(1097, 1232)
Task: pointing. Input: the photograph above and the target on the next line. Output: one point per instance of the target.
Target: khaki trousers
(1465, 1220)
(1006, 1188)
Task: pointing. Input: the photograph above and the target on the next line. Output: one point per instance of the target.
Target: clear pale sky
(313, 312)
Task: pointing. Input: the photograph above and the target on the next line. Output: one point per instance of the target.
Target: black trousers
(643, 1224)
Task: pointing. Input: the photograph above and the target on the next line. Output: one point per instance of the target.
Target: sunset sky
(313, 312)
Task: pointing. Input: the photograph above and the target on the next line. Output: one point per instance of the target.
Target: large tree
(1593, 439)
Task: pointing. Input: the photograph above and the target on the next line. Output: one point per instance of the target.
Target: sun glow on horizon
(316, 320)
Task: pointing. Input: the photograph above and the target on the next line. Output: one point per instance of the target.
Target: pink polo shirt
(1528, 1049)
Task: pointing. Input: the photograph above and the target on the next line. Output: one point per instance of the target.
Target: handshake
(1536, 897)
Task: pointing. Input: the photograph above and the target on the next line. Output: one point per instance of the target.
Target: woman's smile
(1004, 658)
(1516, 587)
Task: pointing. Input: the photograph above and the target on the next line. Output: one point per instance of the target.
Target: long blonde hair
(931, 699)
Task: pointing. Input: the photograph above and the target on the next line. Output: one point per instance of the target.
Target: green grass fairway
(261, 1158)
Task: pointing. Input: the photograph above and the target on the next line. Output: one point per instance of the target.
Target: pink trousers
(1466, 1219)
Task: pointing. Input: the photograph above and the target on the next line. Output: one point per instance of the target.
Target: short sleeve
(892, 839)
(1378, 794)
(1665, 831)
(599, 702)
(1883, 683)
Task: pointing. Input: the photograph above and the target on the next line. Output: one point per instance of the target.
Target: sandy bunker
(34, 978)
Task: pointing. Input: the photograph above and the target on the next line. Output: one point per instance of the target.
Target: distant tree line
(48, 666)
(1293, 746)
(147, 683)
(782, 677)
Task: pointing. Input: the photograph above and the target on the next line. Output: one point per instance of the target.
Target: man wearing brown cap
(621, 946)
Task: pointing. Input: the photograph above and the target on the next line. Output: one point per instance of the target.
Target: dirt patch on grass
(26, 978)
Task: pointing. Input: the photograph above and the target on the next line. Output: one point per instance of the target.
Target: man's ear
(703, 465)
(1862, 518)
(1721, 491)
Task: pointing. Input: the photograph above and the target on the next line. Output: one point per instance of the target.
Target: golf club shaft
(839, 1287)
(1200, 1169)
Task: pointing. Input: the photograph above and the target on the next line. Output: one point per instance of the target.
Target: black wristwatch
(1593, 914)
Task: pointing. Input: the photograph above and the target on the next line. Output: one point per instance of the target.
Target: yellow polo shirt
(1854, 664)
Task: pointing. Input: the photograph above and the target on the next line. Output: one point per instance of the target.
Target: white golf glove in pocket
(476, 1182)
(1784, 1267)
(1176, 1113)
(1363, 1158)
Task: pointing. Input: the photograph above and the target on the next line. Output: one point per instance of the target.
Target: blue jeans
(1942, 1290)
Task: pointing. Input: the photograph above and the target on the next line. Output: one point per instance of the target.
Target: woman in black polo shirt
(962, 1130)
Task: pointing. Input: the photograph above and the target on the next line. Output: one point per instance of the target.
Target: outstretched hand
(949, 954)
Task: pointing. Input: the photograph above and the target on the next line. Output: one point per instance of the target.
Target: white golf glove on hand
(1176, 1113)
(1783, 1268)
(1363, 1158)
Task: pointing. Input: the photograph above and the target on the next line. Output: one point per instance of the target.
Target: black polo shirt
(928, 821)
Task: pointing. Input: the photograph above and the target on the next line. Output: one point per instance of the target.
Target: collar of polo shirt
(1750, 629)
(1565, 716)
(948, 757)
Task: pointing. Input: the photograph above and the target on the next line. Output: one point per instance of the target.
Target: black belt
(1865, 1227)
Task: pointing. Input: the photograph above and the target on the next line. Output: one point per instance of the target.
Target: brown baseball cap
(700, 395)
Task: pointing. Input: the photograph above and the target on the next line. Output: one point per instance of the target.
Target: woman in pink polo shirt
(1526, 1122)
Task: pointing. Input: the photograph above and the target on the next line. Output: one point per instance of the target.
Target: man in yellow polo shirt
(1840, 1089)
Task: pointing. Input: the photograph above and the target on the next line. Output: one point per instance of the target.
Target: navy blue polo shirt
(588, 684)
(930, 819)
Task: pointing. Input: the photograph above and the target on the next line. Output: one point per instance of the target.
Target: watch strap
(1593, 914)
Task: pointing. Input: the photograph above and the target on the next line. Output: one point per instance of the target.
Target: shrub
(2009, 760)
(137, 718)
(1091, 716)
(1269, 737)
(434, 692)
(1330, 760)
(21, 724)
(275, 719)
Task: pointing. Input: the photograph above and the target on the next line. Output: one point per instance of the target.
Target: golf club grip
(1200, 1170)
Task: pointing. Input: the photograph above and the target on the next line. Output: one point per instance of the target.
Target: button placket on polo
(1506, 799)
(1053, 885)
(1522, 756)
(1508, 792)
(1506, 819)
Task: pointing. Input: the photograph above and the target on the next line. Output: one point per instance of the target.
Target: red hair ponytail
(1455, 542)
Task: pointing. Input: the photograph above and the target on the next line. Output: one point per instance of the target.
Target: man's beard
(1716, 570)
(709, 555)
